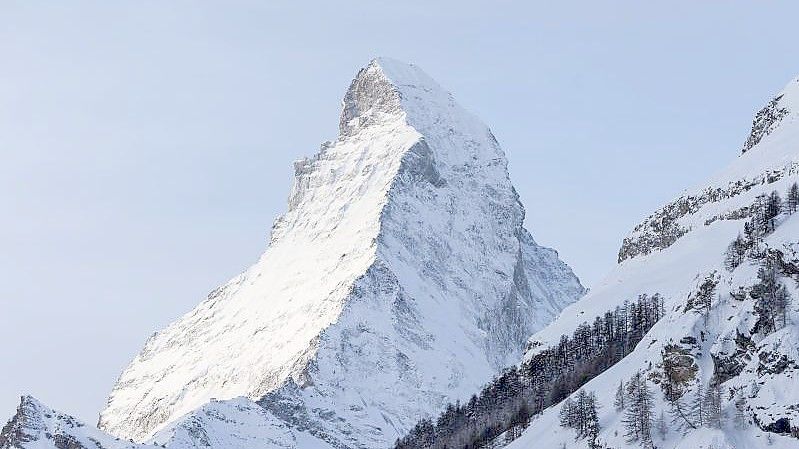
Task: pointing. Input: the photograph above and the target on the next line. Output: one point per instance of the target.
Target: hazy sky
(146, 147)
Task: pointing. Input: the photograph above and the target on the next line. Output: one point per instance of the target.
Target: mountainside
(399, 279)
(690, 342)
(725, 260)
(35, 426)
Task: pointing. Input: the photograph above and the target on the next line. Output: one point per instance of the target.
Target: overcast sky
(146, 147)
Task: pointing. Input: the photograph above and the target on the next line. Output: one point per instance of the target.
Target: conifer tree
(698, 406)
(567, 413)
(792, 201)
(772, 299)
(740, 412)
(714, 416)
(619, 401)
(638, 417)
(735, 254)
(772, 209)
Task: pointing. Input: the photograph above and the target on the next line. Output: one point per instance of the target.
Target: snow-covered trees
(772, 299)
(714, 414)
(792, 201)
(771, 209)
(698, 412)
(736, 252)
(639, 412)
(765, 212)
(548, 377)
(619, 400)
(702, 299)
(581, 415)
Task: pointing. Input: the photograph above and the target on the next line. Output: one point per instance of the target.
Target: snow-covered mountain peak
(372, 96)
(399, 278)
(389, 91)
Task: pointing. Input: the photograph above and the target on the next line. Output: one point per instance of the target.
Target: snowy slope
(672, 253)
(35, 426)
(399, 279)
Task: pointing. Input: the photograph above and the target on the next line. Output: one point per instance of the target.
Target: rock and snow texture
(672, 253)
(399, 279)
(36, 426)
(776, 127)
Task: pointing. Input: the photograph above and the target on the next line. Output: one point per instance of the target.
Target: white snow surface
(675, 272)
(399, 279)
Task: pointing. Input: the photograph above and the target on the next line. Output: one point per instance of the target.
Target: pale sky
(146, 146)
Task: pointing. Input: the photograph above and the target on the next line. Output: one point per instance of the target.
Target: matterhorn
(400, 279)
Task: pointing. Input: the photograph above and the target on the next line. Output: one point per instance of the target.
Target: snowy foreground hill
(400, 279)
(691, 342)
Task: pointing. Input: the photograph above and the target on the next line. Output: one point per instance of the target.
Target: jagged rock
(35, 426)
(766, 120)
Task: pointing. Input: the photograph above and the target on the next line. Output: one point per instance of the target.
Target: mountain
(691, 341)
(400, 278)
(37, 426)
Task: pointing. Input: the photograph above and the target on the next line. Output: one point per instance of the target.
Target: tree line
(507, 404)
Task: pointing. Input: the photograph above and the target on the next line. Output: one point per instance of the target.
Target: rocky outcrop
(36, 426)
(766, 120)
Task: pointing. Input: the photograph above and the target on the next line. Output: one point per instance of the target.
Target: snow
(399, 279)
(674, 272)
(777, 396)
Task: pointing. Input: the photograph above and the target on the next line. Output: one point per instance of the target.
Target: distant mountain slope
(35, 426)
(715, 335)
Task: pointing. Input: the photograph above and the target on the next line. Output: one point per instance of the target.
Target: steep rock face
(400, 278)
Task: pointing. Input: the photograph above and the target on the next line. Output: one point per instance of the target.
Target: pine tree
(773, 207)
(638, 417)
(759, 220)
(698, 406)
(735, 254)
(741, 419)
(567, 413)
(714, 416)
(591, 426)
(792, 202)
(782, 303)
(662, 426)
(619, 401)
(702, 299)
(771, 298)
